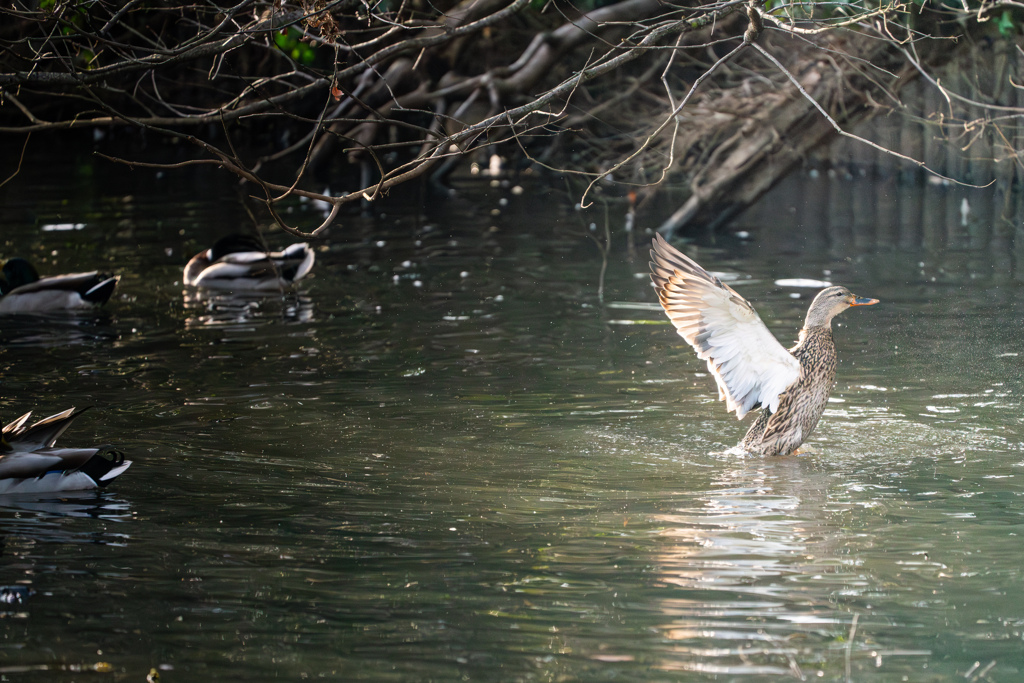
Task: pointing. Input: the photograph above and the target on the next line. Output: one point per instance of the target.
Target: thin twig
(664, 124)
(949, 94)
(849, 645)
(605, 248)
(20, 159)
(839, 129)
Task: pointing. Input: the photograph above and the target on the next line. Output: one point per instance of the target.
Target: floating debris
(803, 282)
(62, 227)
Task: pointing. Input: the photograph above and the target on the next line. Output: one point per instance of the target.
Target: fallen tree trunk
(764, 136)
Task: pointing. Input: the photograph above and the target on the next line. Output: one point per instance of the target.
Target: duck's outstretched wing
(751, 367)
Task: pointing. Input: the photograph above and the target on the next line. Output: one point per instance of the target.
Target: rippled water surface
(446, 459)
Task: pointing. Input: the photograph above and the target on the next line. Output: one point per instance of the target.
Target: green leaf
(1007, 26)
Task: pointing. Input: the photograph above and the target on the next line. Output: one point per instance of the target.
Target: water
(445, 459)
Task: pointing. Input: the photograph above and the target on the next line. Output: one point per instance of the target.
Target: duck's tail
(296, 262)
(99, 290)
(105, 466)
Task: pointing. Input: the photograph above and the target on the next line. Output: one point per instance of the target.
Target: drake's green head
(17, 272)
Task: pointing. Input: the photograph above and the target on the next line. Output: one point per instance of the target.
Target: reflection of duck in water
(15, 595)
(29, 463)
(23, 291)
(751, 367)
(241, 263)
(214, 308)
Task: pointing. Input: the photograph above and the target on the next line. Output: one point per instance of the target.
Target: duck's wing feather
(751, 367)
(17, 426)
(239, 265)
(68, 282)
(42, 434)
(21, 465)
(244, 257)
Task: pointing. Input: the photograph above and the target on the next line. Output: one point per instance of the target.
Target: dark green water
(446, 460)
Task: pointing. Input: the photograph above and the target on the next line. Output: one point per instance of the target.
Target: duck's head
(17, 272)
(830, 302)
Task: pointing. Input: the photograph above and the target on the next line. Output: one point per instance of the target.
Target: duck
(240, 262)
(23, 291)
(29, 462)
(750, 366)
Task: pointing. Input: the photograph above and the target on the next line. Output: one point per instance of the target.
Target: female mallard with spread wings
(751, 367)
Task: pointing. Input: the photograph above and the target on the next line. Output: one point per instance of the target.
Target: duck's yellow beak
(863, 301)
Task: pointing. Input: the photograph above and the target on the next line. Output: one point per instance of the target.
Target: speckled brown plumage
(802, 405)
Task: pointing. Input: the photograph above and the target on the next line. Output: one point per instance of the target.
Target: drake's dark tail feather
(100, 465)
(99, 290)
(289, 270)
(296, 262)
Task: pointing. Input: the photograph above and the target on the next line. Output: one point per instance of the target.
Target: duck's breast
(817, 356)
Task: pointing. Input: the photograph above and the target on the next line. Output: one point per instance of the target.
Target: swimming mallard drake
(29, 463)
(241, 263)
(751, 367)
(23, 291)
